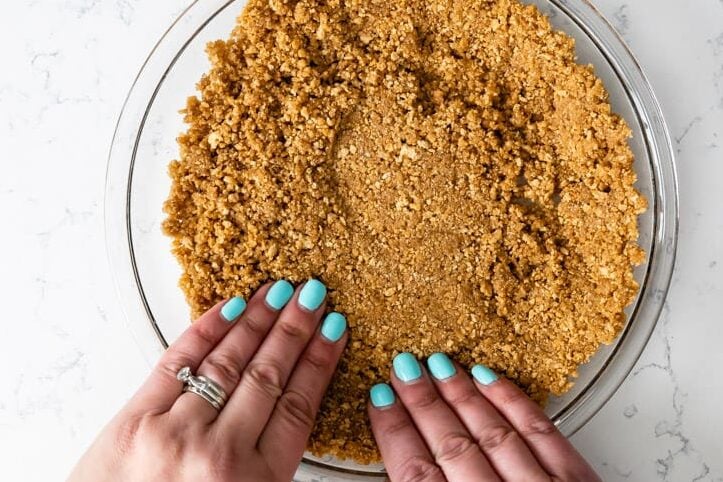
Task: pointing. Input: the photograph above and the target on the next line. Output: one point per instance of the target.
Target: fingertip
(381, 396)
(483, 375)
(278, 295)
(233, 309)
(312, 295)
(505, 395)
(441, 366)
(406, 368)
(334, 327)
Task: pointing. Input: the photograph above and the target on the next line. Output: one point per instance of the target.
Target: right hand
(449, 427)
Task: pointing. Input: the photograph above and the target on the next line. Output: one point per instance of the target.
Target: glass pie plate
(137, 184)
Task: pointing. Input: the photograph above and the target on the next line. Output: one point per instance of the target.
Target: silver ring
(204, 387)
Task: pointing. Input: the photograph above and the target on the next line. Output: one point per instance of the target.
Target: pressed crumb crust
(446, 168)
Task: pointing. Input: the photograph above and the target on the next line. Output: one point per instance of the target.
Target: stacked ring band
(204, 387)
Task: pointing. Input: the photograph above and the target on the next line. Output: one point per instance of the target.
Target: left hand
(274, 363)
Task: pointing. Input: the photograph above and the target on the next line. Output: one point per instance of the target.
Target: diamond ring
(204, 387)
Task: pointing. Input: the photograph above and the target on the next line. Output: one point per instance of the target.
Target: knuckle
(170, 368)
(293, 331)
(224, 365)
(167, 438)
(419, 469)
(318, 361)
(267, 377)
(427, 400)
(175, 359)
(495, 437)
(220, 462)
(454, 447)
(127, 433)
(203, 335)
(255, 326)
(538, 427)
(175, 451)
(397, 428)
(297, 409)
(513, 397)
(464, 397)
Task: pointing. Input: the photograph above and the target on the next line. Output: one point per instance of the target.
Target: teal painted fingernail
(279, 294)
(406, 367)
(441, 366)
(483, 374)
(233, 309)
(312, 294)
(382, 395)
(334, 326)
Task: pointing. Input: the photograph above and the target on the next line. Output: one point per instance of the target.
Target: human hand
(447, 427)
(274, 364)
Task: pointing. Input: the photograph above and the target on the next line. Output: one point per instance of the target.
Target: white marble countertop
(68, 360)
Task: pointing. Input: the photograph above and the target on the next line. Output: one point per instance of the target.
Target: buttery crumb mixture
(446, 168)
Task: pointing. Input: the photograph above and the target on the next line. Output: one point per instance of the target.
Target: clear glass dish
(137, 183)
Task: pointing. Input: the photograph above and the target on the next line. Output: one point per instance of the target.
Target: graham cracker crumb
(446, 168)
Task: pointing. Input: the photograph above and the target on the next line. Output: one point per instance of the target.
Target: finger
(293, 418)
(451, 445)
(225, 363)
(406, 456)
(554, 452)
(159, 392)
(265, 377)
(501, 444)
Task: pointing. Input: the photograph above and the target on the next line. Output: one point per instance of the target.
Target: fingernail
(279, 294)
(483, 374)
(441, 366)
(381, 395)
(406, 367)
(312, 294)
(333, 326)
(233, 309)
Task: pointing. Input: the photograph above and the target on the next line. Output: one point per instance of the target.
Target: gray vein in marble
(37, 62)
(630, 411)
(125, 11)
(102, 313)
(696, 120)
(625, 474)
(665, 428)
(59, 331)
(42, 65)
(63, 366)
(28, 404)
(703, 474)
(86, 8)
(717, 44)
(57, 100)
